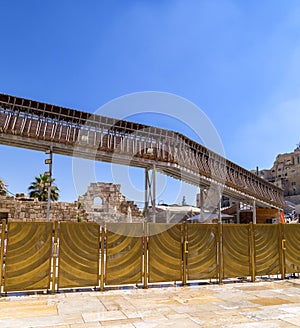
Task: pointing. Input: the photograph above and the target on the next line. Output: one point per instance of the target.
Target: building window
(293, 183)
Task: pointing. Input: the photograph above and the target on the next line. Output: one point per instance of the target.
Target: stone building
(285, 173)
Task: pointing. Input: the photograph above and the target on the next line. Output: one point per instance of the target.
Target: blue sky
(239, 61)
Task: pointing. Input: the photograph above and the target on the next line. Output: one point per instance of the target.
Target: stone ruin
(29, 209)
(103, 202)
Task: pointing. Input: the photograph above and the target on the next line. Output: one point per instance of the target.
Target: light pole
(49, 174)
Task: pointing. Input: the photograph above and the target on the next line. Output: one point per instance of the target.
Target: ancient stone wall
(22, 209)
(105, 202)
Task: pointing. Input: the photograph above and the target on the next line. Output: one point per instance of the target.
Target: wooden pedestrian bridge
(40, 126)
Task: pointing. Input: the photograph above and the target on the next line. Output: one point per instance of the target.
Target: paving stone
(259, 304)
(103, 316)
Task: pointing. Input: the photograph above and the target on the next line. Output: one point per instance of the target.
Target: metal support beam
(254, 211)
(154, 193)
(150, 193)
(238, 219)
(219, 210)
(202, 190)
(49, 162)
(146, 193)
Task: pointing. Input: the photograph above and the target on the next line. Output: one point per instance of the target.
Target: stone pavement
(267, 304)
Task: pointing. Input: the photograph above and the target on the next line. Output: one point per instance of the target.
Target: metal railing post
(252, 252)
(184, 252)
(55, 256)
(220, 253)
(102, 258)
(145, 245)
(2, 252)
(282, 249)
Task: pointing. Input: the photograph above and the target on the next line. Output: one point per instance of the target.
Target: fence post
(102, 258)
(282, 248)
(220, 252)
(54, 262)
(252, 251)
(184, 251)
(2, 252)
(145, 248)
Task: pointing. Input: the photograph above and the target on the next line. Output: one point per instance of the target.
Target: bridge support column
(279, 219)
(49, 174)
(202, 191)
(150, 193)
(219, 210)
(146, 193)
(238, 219)
(154, 193)
(254, 212)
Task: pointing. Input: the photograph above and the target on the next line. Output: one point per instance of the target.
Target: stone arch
(98, 201)
(98, 204)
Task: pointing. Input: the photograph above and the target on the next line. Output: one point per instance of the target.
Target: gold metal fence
(291, 247)
(201, 247)
(54, 256)
(124, 253)
(236, 250)
(78, 252)
(267, 241)
(164, 252)
(28, 256)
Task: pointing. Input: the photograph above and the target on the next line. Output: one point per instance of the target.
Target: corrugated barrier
(52, 256)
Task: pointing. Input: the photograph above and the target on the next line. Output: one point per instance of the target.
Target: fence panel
(130, 255)
(78, 256)
(124, 253)
(28, 256)
(292, 247)
(165, 252)
(2, 250)
(267, 254)
(236, 250)
(202, 262)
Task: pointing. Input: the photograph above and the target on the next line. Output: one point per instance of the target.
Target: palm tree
(39, 189)
(2, 188)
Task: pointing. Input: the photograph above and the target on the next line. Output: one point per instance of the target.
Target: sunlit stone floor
(260, 304)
